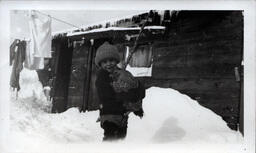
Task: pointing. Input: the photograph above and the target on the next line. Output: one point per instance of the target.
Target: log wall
(199, 56)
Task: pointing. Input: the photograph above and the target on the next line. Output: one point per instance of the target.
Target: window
(141, 62)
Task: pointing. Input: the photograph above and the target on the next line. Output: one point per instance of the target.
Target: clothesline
(58, 19)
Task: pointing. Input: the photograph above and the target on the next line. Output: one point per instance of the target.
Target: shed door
(82, 92)
(78, 75)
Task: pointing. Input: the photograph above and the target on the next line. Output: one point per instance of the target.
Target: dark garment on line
(17, 65)
(12, 51)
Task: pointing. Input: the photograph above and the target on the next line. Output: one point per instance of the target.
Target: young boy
(113, 111)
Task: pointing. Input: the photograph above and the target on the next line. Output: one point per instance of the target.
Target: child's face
(108, 64)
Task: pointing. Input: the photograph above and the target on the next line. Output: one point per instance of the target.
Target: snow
(172, 122)
(115, 29)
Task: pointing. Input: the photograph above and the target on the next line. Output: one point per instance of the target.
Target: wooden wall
(199, 56)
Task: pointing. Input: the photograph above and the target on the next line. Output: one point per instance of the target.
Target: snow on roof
(112, 20)
(115, 29)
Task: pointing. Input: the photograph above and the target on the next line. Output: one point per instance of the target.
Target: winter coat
(107, 96)
(12, 51)
(130, 89)
(113, 102)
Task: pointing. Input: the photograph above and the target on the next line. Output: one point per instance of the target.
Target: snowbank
(172, 121)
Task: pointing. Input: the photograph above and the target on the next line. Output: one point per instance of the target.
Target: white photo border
(249, 57)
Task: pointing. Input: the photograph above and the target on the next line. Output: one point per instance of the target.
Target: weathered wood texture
(93, 99)
(78, 75)
(198, 57)
(62, 57)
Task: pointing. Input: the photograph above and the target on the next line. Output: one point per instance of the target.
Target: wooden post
(88, 78)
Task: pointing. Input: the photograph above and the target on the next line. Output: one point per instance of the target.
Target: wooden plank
(79, 60)
(93, 95)
(200, 48)
(78, 72)
(80, 51)
(197, 60)
(200, 85)
(230, 101)
(205, 88)
(76, 88)
(59, 104)
(223, 109)
(209, 34)
(88, 80)
(225, 27)
(212, 30)
(217, 71)
(191, 24)
(75, 101)
(213, 97)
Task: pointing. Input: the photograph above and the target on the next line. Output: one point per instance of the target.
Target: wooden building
(198, 53)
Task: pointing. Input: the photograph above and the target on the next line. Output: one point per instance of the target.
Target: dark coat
(111, 101)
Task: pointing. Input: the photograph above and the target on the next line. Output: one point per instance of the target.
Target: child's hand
(139, 113)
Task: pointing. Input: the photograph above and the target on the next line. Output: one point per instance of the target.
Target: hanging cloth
(19, 57)
(13, 49)
(142, 57)
(40, 33)
(31, 62)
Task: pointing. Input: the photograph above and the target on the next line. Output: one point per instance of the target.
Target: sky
(20, 28)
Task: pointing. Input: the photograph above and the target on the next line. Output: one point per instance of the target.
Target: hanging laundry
(40, 33)
(142, 57)
(32, 62)
(13, 49)
(17, 66)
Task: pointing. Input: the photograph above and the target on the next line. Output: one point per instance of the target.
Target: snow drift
(171, 119)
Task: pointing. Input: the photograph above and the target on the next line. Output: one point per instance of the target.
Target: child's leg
(110, 131)
(122, 131)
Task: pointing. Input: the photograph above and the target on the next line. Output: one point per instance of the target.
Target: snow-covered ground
(173, 122)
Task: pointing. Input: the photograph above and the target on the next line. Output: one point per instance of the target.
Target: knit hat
(106, 51)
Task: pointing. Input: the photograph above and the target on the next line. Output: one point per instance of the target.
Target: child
(113, 95)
